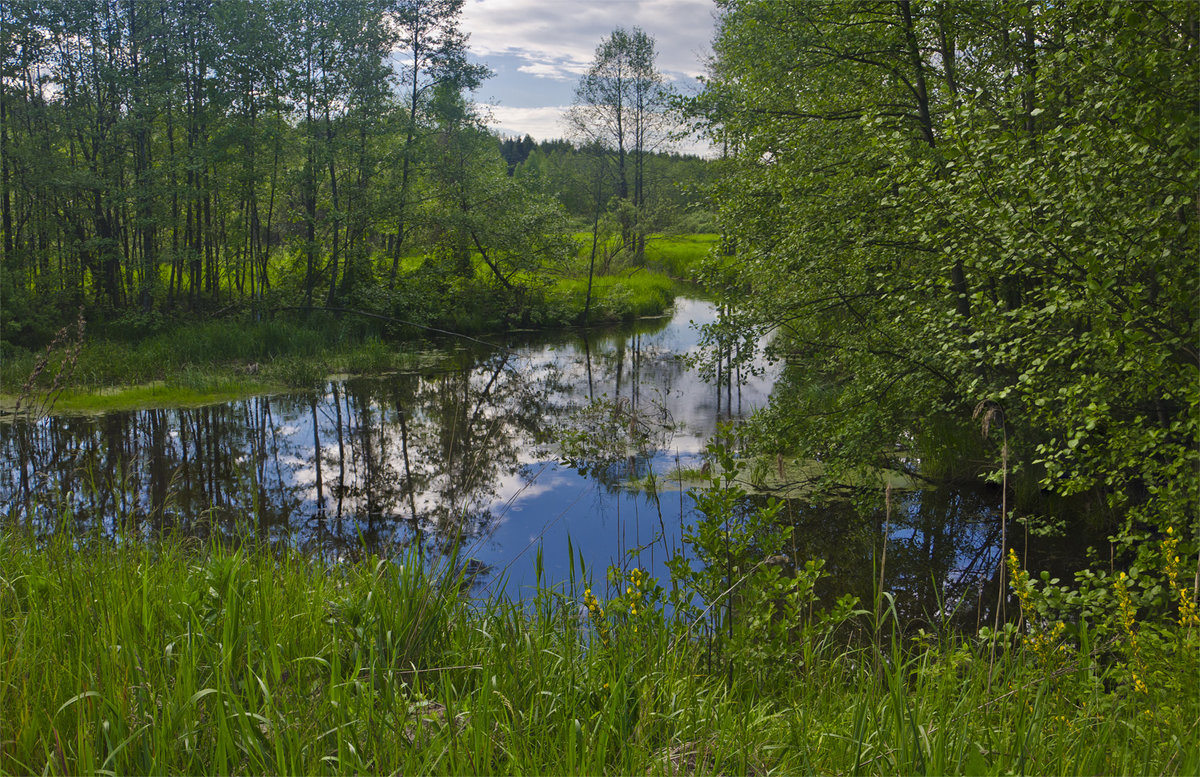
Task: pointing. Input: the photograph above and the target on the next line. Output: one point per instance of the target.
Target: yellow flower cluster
(637, 577)
(596, 614)
(1128, 622)
(1187, 602)
(593, 604)
(628, 607)
(1125, 603)
(1019, 580)
(635, 592)
(1046, 643)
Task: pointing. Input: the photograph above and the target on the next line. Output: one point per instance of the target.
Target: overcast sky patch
(538, 49)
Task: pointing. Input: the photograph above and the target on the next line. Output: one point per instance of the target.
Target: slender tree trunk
(5, 194)
(587, 304)
(337, 216)
(406, 160)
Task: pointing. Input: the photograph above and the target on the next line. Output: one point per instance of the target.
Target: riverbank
(194, 364)
(197, 361)
(177, 657)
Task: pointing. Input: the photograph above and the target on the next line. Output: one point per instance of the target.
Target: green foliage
(480, 210)
(760, 603)
(937, 205)
(674, 184)
(27, 320)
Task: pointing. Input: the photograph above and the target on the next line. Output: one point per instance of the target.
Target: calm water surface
(468, 451)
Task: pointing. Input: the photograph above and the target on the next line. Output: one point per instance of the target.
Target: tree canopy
(620, 106)
(159, 156)
(175, 156)
(954, 214)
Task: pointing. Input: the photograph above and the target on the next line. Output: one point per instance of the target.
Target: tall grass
(137, 658)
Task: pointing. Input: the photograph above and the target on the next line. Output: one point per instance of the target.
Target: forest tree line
(184, 155)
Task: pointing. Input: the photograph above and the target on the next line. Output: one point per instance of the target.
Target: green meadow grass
(680, 256)
(126, 657)
(615, 297)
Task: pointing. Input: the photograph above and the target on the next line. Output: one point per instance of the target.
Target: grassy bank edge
(213, 361)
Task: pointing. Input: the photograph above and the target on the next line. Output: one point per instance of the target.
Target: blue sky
(539, 48)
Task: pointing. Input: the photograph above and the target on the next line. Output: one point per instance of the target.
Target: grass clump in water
(614, 297)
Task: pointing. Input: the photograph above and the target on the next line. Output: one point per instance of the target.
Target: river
(469, 452)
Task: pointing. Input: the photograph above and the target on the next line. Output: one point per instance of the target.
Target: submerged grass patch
(128, 657)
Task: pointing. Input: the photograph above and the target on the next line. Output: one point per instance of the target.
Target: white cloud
(542, 123)
(558, 70)
(540, 48)
(566, 32)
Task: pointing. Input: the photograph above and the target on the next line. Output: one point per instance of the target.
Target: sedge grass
(127, 657)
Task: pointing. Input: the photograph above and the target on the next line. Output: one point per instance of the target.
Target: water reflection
(942, 548)
(465, 453)
(377, 463)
